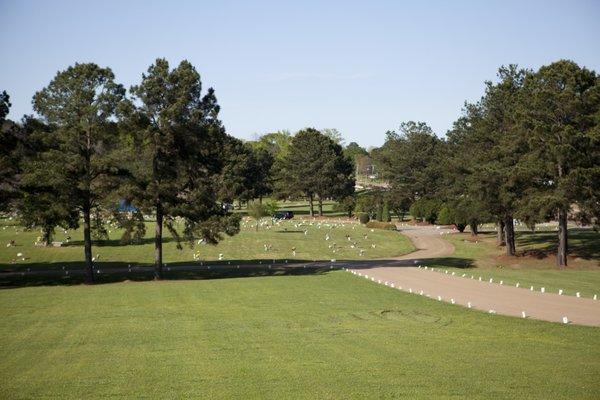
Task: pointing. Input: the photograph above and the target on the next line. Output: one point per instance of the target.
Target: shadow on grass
(72, 273)
(583, 243)
(117, 242)
(448, 262)
(53, 274)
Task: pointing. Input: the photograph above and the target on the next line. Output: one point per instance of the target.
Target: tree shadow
(583, 243)
(116, 242)
(448, 262)
(72, 273)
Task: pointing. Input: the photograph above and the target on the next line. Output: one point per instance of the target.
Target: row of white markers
(542, 289)
(421, 293)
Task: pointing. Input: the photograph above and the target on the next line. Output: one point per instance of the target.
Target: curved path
(403, 273)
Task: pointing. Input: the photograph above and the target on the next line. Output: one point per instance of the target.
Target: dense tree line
(529, 149)
(96, 152)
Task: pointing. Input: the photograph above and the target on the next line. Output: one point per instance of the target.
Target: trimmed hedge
(381, 225)
(363, 218)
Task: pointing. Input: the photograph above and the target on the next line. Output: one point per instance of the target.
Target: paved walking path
(484, 296)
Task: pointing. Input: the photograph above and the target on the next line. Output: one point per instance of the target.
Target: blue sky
(360, 67)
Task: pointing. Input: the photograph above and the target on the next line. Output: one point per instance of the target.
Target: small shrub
(381, 225)
(363, 218)
(385, 213)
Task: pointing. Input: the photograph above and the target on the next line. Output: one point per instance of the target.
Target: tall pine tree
(80, 102)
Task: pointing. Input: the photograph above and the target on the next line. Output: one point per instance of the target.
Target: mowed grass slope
(327, 335)
(246, 247)
(535, 265)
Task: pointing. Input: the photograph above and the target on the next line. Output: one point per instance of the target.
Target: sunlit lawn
(246, 247)
(535, 265)
(327, 335)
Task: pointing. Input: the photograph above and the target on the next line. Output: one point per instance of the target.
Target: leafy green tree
(276, 143)
(239, 176)
(263, 182)
(179, 146)
(315, 167)
(257, 211)
(369, 202)
(484, 147)
(561, 110)
(334, 135)
(353, 150)
(81, 102)
(410, 160)
(385, 212)
(346, 204)
(398, 201)
(271, 207)
(9, 157)
(44, 198)
(426, 209)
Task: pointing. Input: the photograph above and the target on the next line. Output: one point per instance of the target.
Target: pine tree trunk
(563, 248)
(509, 236)
(500, 239)
(87, 244)
(47, 236)
(310, 203)
(158, 262)
(473, 226)
(320, 206)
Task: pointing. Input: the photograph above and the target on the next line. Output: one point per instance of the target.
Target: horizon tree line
(158, 148)
(529, 149)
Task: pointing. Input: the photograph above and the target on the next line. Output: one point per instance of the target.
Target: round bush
(363, 218)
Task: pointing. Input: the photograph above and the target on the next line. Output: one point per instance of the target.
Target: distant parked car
(283, 215)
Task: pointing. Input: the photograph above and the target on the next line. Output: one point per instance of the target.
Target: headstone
(523, 314)
(560, 292)
(578, 294)
(469, 304)
(565, 320)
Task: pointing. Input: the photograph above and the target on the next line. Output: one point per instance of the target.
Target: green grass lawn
(536, 264)
(246, 247)
(322, 335)
(301, 208)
